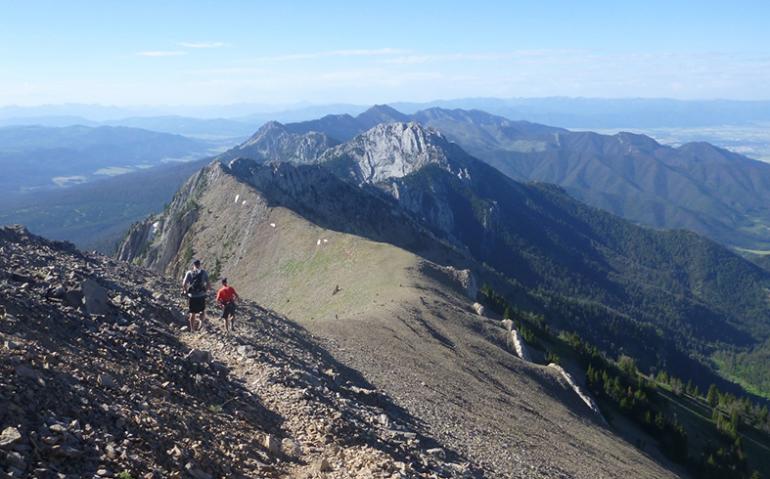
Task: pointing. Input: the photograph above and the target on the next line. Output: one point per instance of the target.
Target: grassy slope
(413, 335)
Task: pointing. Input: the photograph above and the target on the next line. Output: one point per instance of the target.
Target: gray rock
(383, 420)
(291, 448)
(15, 459)
(437, 453)
(322, 465)
(198, 356)
(246, 351)
(107, 381)
(9, 436)
(27, 372)
(73, 297)
(95, 298)
(195, 472)
(110, 451)
(272, 444)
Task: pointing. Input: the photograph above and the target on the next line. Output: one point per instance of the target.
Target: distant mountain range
(238, 121)
(697, 186)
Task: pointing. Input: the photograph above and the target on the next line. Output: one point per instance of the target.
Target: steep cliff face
(158, 240)
(394, 150)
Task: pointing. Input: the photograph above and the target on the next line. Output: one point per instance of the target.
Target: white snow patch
(272, 225)
(237, 197)
(244, 203)
(318, 243)
(326, 240)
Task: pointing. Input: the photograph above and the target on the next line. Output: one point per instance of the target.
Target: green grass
(751, 388)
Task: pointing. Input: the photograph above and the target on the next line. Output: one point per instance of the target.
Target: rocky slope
(100, 378)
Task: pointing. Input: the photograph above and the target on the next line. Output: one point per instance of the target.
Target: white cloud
(201, 44)
(333, 53)
(161, 53)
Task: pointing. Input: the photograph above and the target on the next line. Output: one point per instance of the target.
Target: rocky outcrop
(157, 241)
(464, 279)
(393, 150)
(583, 395)
(519, 346)
(274, 143)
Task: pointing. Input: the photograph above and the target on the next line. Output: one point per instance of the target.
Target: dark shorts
(228, 310)
(197, 305)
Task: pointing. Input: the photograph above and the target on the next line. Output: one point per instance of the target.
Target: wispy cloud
(417, 58)
(202, 44)
(161, 53)
(378, 52)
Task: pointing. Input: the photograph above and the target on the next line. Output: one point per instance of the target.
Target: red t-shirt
(225, 294)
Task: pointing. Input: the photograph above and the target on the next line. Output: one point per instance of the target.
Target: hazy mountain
(35, 158)
(610, 112)
(205, 128)
(562, 111)
(696, 186)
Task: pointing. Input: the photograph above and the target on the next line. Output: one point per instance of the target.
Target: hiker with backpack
(196, 286)
(226, 297)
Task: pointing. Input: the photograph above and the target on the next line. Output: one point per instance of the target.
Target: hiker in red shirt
(226, 297)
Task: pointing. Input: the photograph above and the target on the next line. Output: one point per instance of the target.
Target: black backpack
(196, 283)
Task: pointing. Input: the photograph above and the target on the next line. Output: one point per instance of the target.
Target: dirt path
(332, 423)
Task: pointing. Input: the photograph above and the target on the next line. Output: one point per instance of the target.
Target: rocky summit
(101, 379)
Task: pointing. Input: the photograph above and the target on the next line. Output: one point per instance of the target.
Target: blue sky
(197, 53)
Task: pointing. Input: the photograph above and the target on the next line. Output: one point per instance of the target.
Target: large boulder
(95, 298)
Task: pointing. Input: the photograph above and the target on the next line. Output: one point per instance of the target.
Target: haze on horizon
(199, 53)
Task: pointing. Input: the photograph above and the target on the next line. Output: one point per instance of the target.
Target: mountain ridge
(542, 238)
(627, 174)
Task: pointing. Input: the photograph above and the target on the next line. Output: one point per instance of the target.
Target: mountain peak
(394, 150)
(381, 114)
(270, 127)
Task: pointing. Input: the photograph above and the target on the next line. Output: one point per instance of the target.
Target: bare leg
(191, 321)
